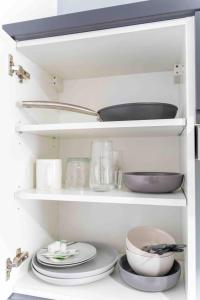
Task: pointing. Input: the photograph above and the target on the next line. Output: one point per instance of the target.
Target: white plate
(86, 251)
(65, 266)
(106, 258)
(71, 282)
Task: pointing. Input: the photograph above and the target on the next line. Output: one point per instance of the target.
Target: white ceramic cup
(48, 174)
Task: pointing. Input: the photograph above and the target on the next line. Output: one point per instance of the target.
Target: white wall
(109, 223)
(70, 6)
(16, 11)
(96, 93)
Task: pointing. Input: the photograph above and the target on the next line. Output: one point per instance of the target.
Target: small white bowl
(142, 236)
(150, 266)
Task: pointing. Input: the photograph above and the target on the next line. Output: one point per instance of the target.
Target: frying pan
(121, 112)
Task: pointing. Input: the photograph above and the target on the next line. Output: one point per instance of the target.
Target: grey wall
(70, 6)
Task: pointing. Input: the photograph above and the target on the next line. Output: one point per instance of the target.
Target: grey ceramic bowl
(152, 182)
(138, 111)
(149, 284)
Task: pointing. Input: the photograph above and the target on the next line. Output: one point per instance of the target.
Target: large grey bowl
(153, 182)
(149, 284)
(138, 111)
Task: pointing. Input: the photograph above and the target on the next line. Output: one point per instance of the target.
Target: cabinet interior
(131, 64)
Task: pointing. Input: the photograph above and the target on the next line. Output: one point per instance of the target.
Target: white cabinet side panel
(198, 223)
(22, 224)
(188, 161)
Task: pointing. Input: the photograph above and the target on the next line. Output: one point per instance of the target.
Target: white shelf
(163, 127)
(111, 288)
(123, 197)
(93, 54)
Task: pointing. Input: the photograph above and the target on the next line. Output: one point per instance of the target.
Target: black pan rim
(137, 104)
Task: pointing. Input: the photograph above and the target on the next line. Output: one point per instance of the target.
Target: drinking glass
(117, 166)
(77, 173)
(101, 168)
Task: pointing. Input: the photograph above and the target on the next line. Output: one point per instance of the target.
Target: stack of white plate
(94, 262)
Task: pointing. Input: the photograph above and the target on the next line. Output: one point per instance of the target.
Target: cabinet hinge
(17, 261)
(17, 70)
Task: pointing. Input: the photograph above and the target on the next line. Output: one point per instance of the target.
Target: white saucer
(65, 266)
(86, 252)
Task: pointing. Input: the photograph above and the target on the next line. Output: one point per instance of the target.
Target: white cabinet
(100, 68)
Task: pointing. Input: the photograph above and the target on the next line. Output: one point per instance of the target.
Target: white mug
(48, 174)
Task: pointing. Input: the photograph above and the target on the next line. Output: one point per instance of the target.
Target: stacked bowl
(89, 263)
(148, 271)
(144, 263)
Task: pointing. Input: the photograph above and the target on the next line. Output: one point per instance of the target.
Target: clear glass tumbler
(117, 165)
(77, 173)
(101, 167)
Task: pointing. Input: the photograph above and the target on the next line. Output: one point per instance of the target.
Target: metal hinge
(17, 261)
(19, 70)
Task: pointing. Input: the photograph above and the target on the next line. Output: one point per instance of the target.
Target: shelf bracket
(178, 73)
(17, 261)
(57, 83)
(18, 71)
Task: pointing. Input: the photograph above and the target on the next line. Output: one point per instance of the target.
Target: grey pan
(138, 111)
(121, 112)
(153, 182)
(149, 284)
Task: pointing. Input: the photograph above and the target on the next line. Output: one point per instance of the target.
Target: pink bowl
(142, 236)
(150, 266)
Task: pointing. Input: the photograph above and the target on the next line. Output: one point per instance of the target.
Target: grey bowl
(153, 182)
(149, 284)
(138, 111)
